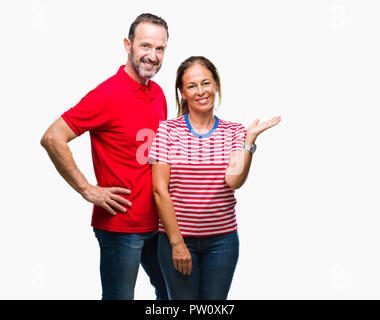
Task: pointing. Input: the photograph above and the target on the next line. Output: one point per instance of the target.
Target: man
(124, 218)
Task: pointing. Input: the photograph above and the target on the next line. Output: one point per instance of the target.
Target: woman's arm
(181, 255)
(238, 166)
(240, 161)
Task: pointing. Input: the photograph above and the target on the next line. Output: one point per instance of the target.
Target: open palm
(256, 127)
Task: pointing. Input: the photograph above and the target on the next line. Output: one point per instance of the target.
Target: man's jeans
(120, 256)
(214, 259)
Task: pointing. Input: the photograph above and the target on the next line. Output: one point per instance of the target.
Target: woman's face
(198, 88)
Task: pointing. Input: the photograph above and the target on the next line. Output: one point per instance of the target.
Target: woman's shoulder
(230, 124)
(175, 120)
(172, 123)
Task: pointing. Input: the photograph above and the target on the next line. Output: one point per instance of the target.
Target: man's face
(147, 50)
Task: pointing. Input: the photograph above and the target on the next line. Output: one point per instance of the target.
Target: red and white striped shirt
(203, 202)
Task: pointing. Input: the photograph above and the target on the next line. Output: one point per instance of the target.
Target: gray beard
(139, 69)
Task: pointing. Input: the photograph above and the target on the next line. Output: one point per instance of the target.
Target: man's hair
(147, 17)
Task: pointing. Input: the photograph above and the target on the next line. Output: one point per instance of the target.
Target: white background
(309, 213)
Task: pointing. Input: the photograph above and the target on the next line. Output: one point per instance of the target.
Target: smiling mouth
(149, 65)
(202, 100)
(152, 64)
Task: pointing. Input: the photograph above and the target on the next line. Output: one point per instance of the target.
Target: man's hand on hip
(107, 198)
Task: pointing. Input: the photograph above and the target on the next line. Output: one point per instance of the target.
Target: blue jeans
(120, 256)
(214, 259)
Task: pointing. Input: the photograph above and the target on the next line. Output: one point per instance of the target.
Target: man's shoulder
(108, 85)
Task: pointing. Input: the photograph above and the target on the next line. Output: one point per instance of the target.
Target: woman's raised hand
(256, 127)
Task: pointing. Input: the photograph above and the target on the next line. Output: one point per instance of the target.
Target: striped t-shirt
(203, 202)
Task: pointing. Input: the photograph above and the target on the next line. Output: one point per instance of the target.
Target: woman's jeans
(214, 260)
(120, 256)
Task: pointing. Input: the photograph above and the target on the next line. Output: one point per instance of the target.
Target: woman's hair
(182, 105)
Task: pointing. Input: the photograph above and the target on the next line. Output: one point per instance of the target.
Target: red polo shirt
(122, 117)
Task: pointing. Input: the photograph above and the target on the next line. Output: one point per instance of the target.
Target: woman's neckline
(203, 135)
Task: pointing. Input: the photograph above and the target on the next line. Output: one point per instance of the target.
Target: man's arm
(55, 141)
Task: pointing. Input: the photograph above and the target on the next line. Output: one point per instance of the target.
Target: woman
(198, 160)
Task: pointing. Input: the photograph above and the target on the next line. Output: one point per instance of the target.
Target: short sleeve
(238, 138)
(89, 114)
(165, 107)
(160, 149)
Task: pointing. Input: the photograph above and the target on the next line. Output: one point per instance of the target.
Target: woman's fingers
(189, 267)
(182, 259)
(183, 266)
(256, 127)
(180, 266)
(274, 121)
